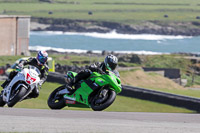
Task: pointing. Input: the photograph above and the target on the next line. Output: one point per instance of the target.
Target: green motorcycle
(97, 92)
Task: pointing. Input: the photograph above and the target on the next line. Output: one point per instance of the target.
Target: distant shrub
(197, 17)
(166, 16)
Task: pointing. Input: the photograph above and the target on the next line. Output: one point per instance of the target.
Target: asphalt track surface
(66, 121)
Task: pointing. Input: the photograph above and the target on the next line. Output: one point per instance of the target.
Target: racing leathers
(84, 74)
(31, 61)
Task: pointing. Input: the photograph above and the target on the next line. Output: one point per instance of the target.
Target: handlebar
(18, 68)
(101, 71)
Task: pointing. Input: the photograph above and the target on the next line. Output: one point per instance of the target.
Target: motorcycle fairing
(21, 77)
(7, 90)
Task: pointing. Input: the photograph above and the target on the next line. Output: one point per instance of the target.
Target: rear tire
(56, 101)
(20, 93)
(99, 107)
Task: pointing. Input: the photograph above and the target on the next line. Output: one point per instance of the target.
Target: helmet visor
(42, 60)
(111, 66)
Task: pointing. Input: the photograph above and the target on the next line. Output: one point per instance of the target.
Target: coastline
(147, 27)
(64, 26)
(91, 52)
(148, 44)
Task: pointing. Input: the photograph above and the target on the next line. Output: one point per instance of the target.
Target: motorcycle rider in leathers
(110, 63)
(40, 63)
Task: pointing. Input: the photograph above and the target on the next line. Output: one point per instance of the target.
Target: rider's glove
(100, 71)
(21, 65)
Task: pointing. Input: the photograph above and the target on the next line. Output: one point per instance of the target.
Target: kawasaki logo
(100, 80)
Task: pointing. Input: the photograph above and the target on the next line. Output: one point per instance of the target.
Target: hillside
(128, 16)
(139, 78)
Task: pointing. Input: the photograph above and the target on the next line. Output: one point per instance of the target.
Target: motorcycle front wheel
(55, 100)
(2, 103)
(99, 103)
(16, 96)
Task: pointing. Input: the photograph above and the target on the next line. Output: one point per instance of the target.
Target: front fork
(62, 92)
(102, 96)
(27, 93)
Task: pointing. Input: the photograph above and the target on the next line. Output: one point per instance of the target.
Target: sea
(113, 42)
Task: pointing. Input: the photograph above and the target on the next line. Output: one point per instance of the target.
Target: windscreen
(35, 68)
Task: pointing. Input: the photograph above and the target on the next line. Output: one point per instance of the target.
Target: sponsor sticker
(70, 102)
(95, 84)
(100, 80)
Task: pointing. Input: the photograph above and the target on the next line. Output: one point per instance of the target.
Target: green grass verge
(121, 104)
(8, 59)
(186, 92)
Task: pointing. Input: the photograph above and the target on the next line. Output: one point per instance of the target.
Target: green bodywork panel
(111, 79)
(71, 74)
(80, 96)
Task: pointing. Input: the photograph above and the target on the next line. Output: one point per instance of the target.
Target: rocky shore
(147, 27)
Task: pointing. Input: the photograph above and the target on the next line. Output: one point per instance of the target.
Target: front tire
(2, 103)
(56, 101)
(111, 95)
(16, 96)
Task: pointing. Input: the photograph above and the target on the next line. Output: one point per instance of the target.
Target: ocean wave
(61, 50)
(112, 35)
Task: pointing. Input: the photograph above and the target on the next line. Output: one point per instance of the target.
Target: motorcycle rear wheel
(110, 99)
(17, 97)
(56, 101)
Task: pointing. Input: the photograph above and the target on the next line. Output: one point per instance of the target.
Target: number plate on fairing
(29, 79)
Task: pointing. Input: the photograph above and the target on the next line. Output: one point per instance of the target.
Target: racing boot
(33, 94)
(71, 87)
(5, 83)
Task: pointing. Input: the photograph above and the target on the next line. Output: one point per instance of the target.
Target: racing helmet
(111, 62)
(42, 57)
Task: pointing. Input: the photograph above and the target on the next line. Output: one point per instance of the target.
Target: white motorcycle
(20, 86)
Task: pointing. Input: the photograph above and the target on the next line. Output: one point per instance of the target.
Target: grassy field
(8, 59)
(127, 11)
(61, 59)
(76, 59)
(167, 61)
(134, 77)
(121, 104)
(156, 61)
